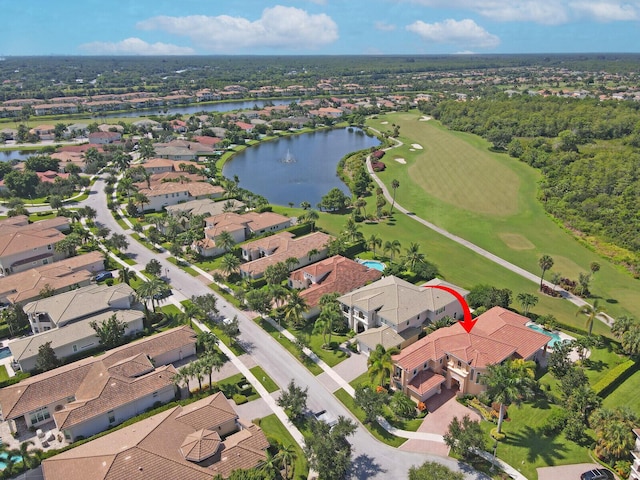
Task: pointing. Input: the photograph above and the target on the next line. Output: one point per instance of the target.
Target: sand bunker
(424, 118)
(412, 149)
(384, 123)
(401, 160)
(417, 146)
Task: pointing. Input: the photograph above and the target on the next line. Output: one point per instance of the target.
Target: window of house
(45, 261)
(440, 361)
(49, 247)
(459, 363)
(155, 394)
(478, 377)
(75, 348)
(112, 417)
(71, 398)
(39, 415)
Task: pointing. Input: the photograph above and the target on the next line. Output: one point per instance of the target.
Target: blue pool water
(5, 352)
(376, 265)
(3, 456)
(555, 338)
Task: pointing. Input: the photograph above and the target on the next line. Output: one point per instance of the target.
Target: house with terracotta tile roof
(206, 207)
(456, 359)
(192, 442)
(393, 312)
(91, 395)
(50, 176)
(59, 310)
(335, 274)
(59, 277)
(163, 194)
(25, 245)
(101, 138)
(158, 165)
(272, 249)
(240, 227)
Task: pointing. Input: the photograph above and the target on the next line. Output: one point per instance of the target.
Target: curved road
(372, 459)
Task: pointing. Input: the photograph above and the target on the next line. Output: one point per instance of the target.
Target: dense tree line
(586, 149)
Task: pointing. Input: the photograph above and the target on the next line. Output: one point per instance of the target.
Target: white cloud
(549, 12)
(278, 27)
(134, 46)
(384, 26)
(464, 33)
(606, 11)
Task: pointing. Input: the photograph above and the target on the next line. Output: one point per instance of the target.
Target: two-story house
(635, 466)
(458, 359)
(240, 227)
(25, 245)
(392, 311)
(88, 396)
(272, 249)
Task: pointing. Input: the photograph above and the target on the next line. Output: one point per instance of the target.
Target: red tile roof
(425, 381)
(498, 335)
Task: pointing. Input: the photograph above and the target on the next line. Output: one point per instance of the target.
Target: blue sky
(160, 27)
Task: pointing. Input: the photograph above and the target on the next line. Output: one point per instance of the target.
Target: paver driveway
(442, 408)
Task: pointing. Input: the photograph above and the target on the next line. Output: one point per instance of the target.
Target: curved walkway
(472, 246)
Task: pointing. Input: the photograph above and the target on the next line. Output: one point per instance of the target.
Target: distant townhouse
(58, 277)
(458, 360)
(240, 227)
(198, 441)
(206, 207)
(270, 250)
(50, 176)
(25, 245)
(91, 395)
(164, 194)
(392, 311)
(55, 109)
(44, 132)
(102, 138)
(70, 158)
(335, 274)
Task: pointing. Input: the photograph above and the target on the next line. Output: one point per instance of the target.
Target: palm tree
(305, 205)
(394, 185)
(527, 300)
(291, 263)
(125, 275)
(373, 242)
(230, 264)
(361, 205)
(392, 247)
(287, 455)
(141, 199)
(545, 263)
(592, 312)
(380, 364)
(614, 431)
(508, 383)
(311, 253)
(150, 290)
(326, 323)
(413, 257)
(119, 241)
(294, 310)
(121, 161)
(312, 216)
(212, 361)
(26, 454)
(278, 294)
(351, 230)
(225, 241)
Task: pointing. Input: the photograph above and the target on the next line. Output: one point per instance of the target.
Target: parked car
(103, 276)
(162, 294)
(597, 474)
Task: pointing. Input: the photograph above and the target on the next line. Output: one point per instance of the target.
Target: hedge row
(614, 377)
(15, 379)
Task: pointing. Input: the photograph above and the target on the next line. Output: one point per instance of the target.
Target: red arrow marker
(467, 323)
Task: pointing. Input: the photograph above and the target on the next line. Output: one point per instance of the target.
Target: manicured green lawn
(376, 430)
(331, 356)
(273, 428)
(265, 379)
(452, 182)
(232, 385)
(625, 395)
(3, 373)
(286, 343)
(36, 217)
(189, 270)
(235, 347)
(526, 449)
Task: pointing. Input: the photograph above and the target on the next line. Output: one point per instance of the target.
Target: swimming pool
(5, 352)
(4, 455)
(555, 338)
(376, 265)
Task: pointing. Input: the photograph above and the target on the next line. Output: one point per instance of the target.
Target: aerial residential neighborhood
(274, 242)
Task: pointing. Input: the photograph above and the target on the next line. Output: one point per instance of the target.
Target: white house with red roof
(458, 359)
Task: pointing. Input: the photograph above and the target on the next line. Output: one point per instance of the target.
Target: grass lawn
(235, 347)
(232, 385)
(189, 270)
(626, 394)
(451, 182)
(376, 430)
(35, 217)
(170, 308)
(3, 373)
(286, 343)
(526, 449)
(274, 429)
(265, 379)
(331, 356)
(458, 264)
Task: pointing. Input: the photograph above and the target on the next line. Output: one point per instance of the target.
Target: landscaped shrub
(15, 379)
(239, 398)
(555, 423)
(614, 377)
(487, 413)
(497, 435)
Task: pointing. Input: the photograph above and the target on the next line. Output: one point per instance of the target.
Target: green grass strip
(265, 379)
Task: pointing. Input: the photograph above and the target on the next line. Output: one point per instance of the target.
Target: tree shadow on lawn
(364, 467)
(550, 450)
(596, 366)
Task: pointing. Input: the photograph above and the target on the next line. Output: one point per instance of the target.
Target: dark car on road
(597, 474)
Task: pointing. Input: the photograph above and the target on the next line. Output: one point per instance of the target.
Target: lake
(299, 167)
